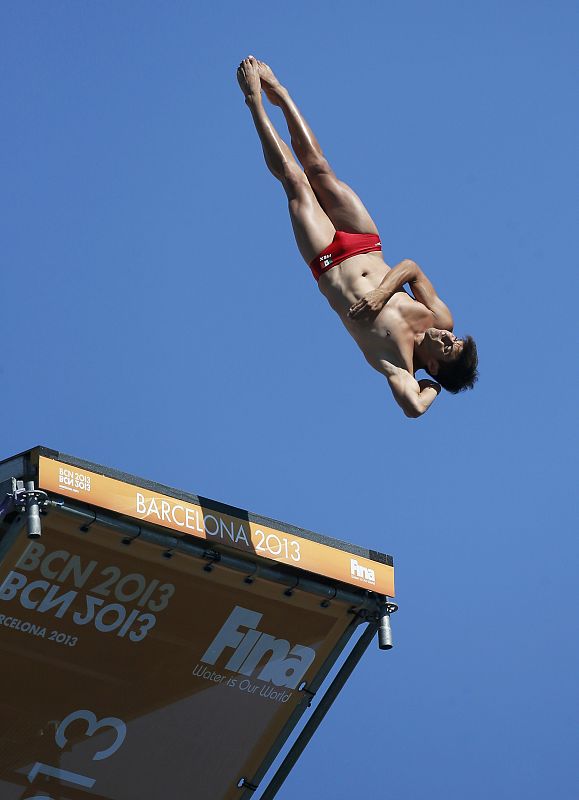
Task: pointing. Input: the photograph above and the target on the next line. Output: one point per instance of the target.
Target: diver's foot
(248, 79)
(269, 83)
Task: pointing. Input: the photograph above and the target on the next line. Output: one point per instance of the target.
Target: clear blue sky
(156, 317)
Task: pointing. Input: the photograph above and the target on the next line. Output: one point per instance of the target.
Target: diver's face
(443, 345)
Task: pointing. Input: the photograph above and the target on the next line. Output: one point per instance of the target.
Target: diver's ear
(432, 366)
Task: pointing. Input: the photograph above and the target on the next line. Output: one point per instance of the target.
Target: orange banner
(192, 519)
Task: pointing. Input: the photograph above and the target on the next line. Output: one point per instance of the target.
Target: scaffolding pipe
(320, 712)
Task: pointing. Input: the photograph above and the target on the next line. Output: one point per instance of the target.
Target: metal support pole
(320, 712)
(385, 641)
(309, 691)
(32, 511)
(29, 500)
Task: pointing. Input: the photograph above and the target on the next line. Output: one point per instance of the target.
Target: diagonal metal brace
(6, 506)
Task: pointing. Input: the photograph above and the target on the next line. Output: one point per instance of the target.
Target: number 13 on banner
(92, 726)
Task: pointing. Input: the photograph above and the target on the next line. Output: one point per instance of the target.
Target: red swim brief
(344, 245)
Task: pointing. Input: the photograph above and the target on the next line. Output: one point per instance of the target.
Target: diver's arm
(414, 397)
(407, 271)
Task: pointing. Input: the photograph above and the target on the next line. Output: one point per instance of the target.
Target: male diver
(398, 333)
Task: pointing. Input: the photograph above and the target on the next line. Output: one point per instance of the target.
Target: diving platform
(156, 644)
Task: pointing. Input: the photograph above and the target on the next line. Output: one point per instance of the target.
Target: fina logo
(363, 573)
(285, 666)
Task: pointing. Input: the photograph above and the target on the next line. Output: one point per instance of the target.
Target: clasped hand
(371, 303)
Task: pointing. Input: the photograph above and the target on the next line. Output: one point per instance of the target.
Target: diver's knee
(294, 179)
(317, 165)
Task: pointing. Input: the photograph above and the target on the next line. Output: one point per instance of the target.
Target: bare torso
(390, 335)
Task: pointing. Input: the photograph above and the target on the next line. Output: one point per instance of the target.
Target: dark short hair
(461, 373)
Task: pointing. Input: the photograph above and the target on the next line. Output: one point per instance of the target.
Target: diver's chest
(380, 343)
(390, 338)
(406, 315)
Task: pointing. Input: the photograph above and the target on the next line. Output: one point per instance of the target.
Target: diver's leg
(339, 201)
(312, 227)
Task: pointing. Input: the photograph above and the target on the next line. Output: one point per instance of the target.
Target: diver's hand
(371, 303)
